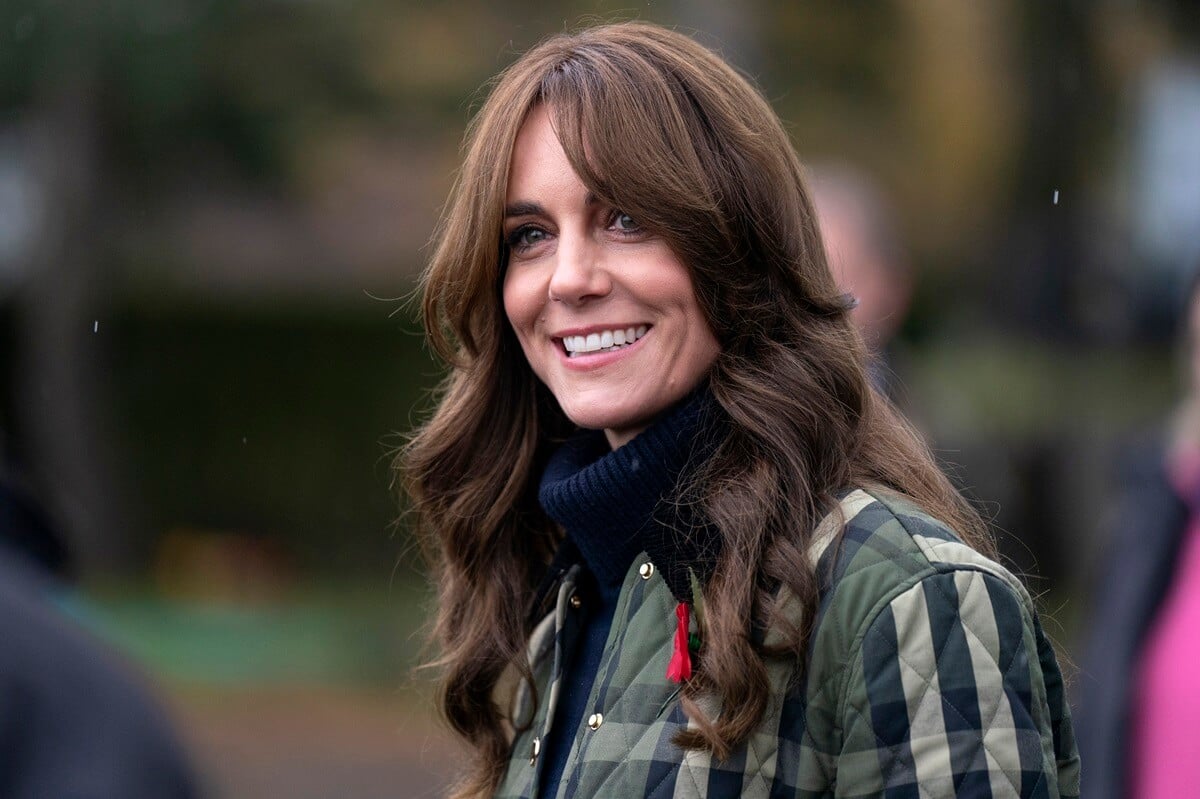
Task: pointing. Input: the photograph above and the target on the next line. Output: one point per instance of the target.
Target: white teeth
(604, 340)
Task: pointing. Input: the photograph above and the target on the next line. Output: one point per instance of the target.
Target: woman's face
(605, 313)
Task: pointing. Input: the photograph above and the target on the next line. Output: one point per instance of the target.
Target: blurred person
(866, 256)
(74, 722)
(683, 547)
(1139, 701)
(26, 530)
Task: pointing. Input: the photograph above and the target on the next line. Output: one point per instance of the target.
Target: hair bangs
(629, 132)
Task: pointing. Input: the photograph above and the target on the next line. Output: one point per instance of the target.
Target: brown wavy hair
(662, 128)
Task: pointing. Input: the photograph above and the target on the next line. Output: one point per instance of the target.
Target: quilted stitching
(927, 681)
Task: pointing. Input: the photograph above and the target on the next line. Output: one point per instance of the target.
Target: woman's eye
(526, 237)
(624, 223)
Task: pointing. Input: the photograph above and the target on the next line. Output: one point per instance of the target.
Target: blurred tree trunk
(61, 402)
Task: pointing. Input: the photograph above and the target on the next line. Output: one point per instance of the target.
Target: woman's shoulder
(921, 637)
(888, 568)
(879, 543)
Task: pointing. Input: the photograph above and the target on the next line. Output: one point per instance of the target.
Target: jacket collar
(615, 504)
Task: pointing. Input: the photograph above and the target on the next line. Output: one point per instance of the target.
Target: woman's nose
(579, 271)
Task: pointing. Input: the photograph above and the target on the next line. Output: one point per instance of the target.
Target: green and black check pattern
(929, 677)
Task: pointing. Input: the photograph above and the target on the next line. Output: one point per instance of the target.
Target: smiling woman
(683, 548)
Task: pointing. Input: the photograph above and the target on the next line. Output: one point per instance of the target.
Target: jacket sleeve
(952, 694)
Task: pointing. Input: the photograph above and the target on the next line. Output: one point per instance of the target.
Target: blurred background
(212, 211)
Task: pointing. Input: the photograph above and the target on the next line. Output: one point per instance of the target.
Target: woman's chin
(607, 418)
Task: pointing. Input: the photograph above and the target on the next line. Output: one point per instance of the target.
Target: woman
(683, 549)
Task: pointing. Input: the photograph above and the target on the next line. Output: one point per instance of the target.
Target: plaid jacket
(929, 676)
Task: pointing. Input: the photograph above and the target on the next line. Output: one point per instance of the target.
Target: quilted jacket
(929, 676)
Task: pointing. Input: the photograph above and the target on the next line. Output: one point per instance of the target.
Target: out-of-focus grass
(358, 633)
(307, 694)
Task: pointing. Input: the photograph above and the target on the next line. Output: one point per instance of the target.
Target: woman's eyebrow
(529, 208)
(524, 209)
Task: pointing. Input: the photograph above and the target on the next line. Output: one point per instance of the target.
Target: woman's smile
(604, 340)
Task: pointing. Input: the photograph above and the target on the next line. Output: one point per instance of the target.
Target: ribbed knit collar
(615, 504)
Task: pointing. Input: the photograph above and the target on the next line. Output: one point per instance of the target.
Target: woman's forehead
(538, 162)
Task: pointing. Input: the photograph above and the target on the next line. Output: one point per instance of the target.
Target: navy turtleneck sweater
(614, 504)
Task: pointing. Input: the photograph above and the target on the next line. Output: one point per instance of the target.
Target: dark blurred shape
(866, 256)
(26, 529)
(1138, 701)
(73, 721)
(1148, 526)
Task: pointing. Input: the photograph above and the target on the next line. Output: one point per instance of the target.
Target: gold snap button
(535, 750)
(575, 601)
(646, 570)
(595, 720)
